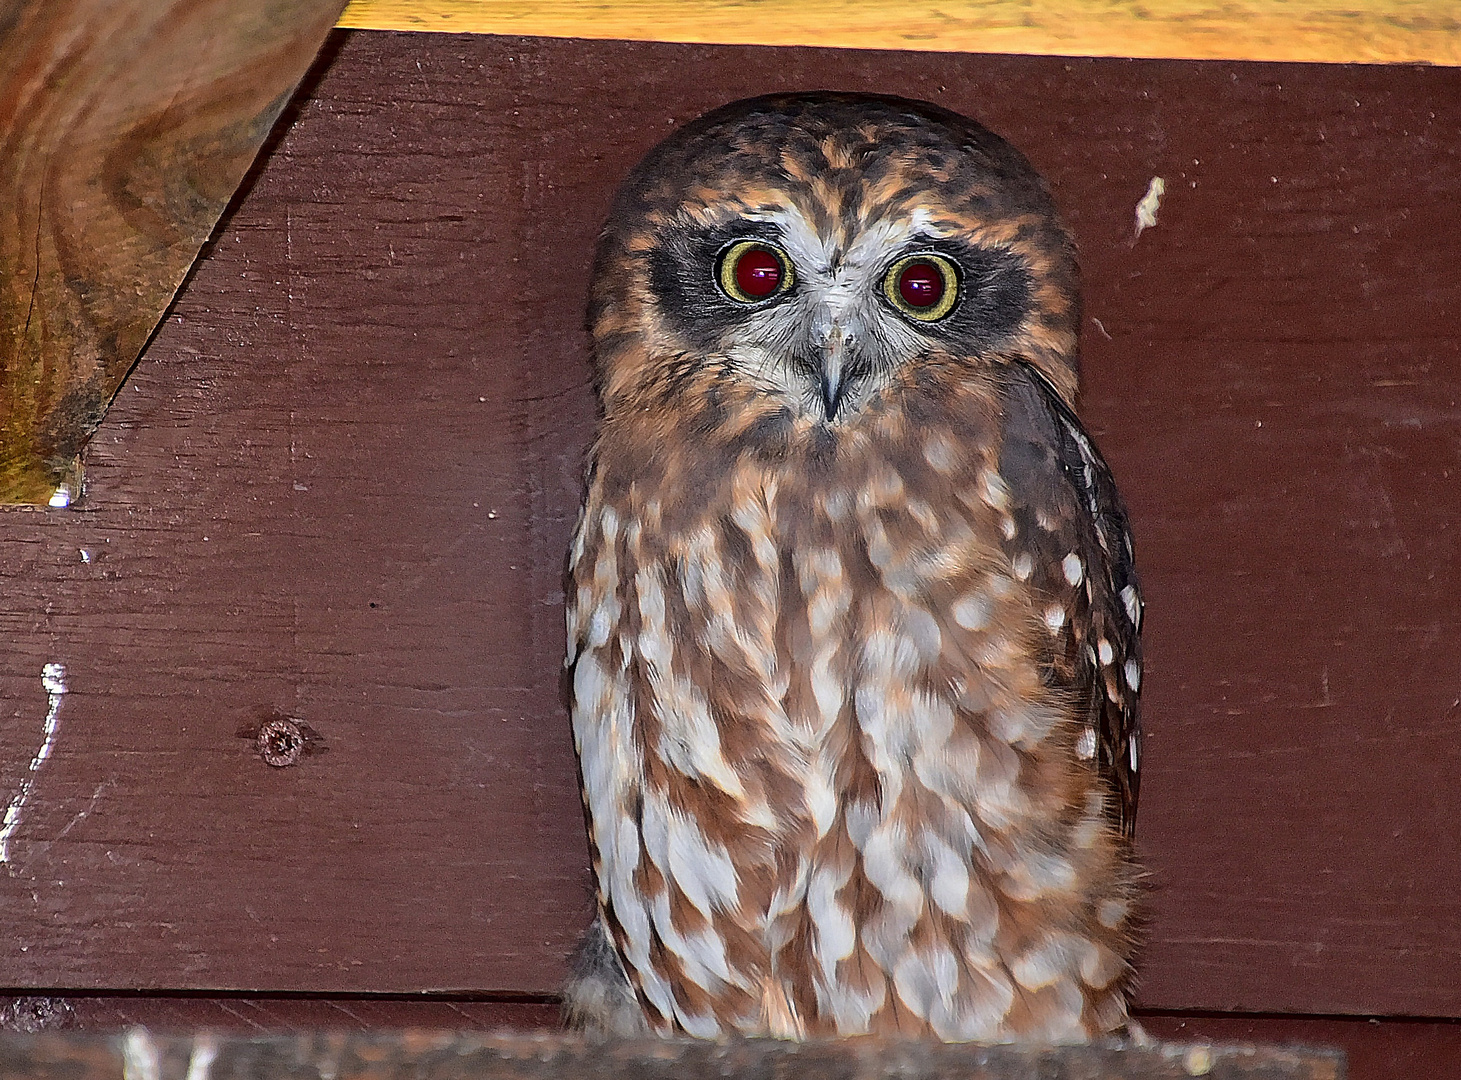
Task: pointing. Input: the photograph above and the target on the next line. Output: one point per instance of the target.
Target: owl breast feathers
(852, 619)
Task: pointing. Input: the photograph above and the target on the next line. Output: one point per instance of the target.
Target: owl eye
(752, 270)
(924, 286)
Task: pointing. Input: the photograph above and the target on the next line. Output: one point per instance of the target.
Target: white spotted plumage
(852, 622)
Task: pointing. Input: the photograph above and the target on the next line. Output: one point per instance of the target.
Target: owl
(853, 625)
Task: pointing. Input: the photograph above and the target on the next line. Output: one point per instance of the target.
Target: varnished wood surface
(1331, 31)
(125, 127)
(340, 485)
(417, 1055)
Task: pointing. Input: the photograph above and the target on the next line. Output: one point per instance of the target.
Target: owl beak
(832, 387)
(834, 371)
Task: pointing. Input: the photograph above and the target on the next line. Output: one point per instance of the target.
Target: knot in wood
(280, 742)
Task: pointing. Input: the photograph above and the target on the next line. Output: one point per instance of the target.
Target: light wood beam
(1332, 31)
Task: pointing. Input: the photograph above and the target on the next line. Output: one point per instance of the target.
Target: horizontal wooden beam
(1328, 31)
(424, 1056)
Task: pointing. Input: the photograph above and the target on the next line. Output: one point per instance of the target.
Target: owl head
(809, 255)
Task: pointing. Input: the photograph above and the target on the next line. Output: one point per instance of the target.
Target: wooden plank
(125, 127)
(1377, 1048)
(423, 1056)
(264, 1014)
(389, 331)
(314, 499)
(1329, 31)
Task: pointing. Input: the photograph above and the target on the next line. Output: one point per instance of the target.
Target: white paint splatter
(1146, 210)
(61, 497)
(53, 678)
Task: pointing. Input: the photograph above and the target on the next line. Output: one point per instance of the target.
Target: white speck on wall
(85, 555)
(53, 678)
(61, 497)
(1146, 210)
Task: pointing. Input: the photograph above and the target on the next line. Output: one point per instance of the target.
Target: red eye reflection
(758, 272)
(921, 285)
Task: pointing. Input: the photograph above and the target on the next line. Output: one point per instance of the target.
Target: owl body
(853, 625)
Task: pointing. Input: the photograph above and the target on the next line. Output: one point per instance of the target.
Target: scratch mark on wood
(240, 1016)
(82, 815)
(53, 678)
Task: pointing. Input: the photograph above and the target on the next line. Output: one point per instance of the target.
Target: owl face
(809, 253)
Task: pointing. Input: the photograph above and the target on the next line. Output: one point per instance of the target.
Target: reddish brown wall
(340, 483)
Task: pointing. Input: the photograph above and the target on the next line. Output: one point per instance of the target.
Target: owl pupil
(921, 285)
(758, 272)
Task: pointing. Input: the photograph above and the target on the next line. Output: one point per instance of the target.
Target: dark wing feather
(1066, 503)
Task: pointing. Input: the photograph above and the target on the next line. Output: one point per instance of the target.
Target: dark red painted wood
(339, 486)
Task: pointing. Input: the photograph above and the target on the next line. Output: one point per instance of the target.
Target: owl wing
(1067, 505)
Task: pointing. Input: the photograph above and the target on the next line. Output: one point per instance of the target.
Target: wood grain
(125, 127)
(340, 487)
(1331, 31)
(414, 1055)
